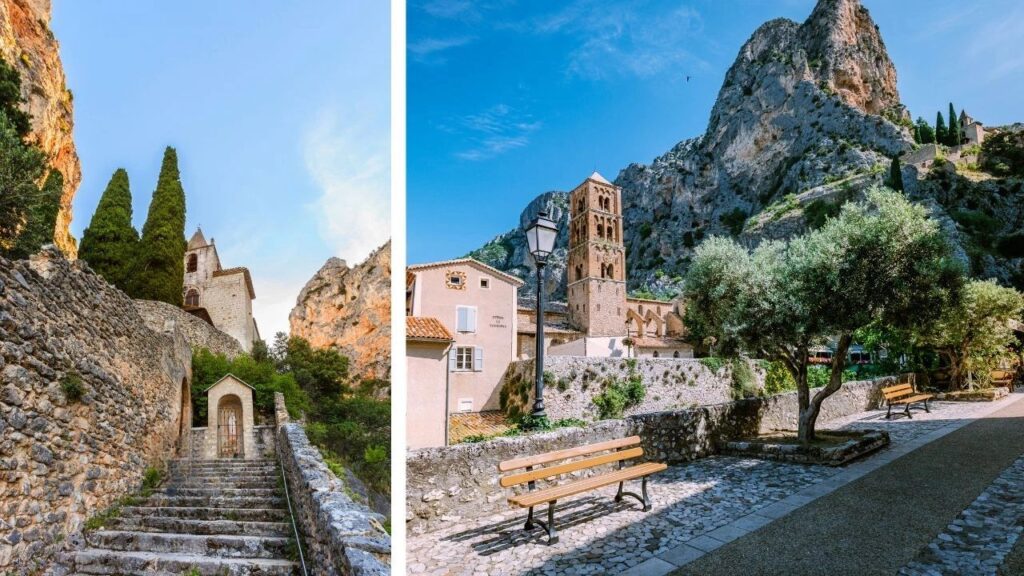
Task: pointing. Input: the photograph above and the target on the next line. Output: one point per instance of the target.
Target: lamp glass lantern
(540, 236)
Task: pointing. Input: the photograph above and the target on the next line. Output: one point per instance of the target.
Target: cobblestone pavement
(598, 536)
(982, 535)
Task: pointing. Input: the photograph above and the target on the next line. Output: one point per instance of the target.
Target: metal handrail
(291, 513)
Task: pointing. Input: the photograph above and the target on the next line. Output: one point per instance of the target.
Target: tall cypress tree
(941, 137)
(110, 242)
(41, 217)
(954, 127)
(895, 175)
(161, 266)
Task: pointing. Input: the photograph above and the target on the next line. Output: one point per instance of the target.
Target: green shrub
(72, 387)
(712, 363)
(744, 380)
(734, 220)
(618, 397)
(151, 478)
(375, 454)
(818, 211)
(777, 379)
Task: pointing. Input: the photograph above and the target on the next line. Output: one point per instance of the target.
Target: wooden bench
(904, 394)
(529, 470)
(1003, 378)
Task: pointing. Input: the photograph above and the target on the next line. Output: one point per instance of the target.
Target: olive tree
(976, 331)
(881, 261)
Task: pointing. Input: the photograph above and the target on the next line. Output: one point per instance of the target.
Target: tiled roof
(239, 270)
(596, 177)
(426, 328)
(489, 269)
(529, 304)
(198, 240)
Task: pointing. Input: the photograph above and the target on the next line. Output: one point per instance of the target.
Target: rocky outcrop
(349, 309)
(804, 107)
(164, 317)
(89, 397)
(28, 43)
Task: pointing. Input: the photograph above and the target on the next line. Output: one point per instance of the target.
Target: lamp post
(540, 236)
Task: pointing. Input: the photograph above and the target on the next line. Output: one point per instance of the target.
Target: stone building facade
(221, 296)
(230, 422)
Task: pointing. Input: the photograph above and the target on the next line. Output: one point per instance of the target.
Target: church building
(222, 297)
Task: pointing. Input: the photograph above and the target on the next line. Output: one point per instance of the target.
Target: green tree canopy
(926, 131)
(941, 135)
(954, 127)
(11, 101)
(976, 332)
(895, 175)
(110, 242)
(880, 261)
(41, 217)
(208, 368)
(21, 167)
(161, 256)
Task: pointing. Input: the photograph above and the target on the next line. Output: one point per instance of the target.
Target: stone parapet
(199, 333)
(341, 536)
(460, 482)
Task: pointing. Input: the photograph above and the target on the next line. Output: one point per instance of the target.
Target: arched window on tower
(579, 205)
(611, 274)
(193, 263)
(192, 298)
(579, 272)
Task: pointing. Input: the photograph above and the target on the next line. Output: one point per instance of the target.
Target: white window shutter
(471, 314)
(453, 354)
(461, 319)
(478, 359)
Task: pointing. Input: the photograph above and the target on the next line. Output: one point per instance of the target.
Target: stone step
(222, 546)
(215, 501)
(199, 527)
(225, 492)
(235, 483)
(205, 513)
(94, 561)
(222, 464)
(223, 472)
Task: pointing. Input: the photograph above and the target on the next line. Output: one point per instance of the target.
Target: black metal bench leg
(552, 533)
(907, 412)
(618, 495)
(926, 407)
(529, 520)
(643, 490)
(888, 412)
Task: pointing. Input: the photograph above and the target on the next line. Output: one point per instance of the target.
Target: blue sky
(279, 112)
(508, 99)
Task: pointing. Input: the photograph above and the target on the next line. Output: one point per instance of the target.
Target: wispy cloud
(997, 44)
(348, 160)
(430, 50)
(624, 38)
(465, 10)
(495, 131)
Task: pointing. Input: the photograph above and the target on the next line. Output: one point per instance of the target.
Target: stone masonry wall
(341, 537)
(200, 334)
(446, 485)
(671, 384)
(64, 459)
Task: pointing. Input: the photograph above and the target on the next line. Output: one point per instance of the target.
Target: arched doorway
(229, 427)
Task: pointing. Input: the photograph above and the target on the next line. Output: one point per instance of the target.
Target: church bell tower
(597, 258)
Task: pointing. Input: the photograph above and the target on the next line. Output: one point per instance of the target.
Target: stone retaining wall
(266, 441)
(64, 459)
(341, 537)
(574, 381)
(162, 316)
(459, 482)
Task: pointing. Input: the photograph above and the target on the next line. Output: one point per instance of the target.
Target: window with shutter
(478, 359)
(463, 356)
(465, 318)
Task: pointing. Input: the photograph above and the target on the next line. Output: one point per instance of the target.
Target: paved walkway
(698, 508)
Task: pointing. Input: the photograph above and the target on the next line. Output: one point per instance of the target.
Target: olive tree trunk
(810, 407)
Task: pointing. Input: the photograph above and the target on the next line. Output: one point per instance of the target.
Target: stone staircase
(219, 517)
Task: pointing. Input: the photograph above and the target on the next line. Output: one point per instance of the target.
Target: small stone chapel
(230, 421)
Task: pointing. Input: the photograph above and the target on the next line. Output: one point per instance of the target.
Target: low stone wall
(162, 316)
(449, 484)
(266, 441)
(671, 384)
(341, 536)
(89, 396)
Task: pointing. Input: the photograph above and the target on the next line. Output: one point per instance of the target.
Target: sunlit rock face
(28, 44)
(349, 309)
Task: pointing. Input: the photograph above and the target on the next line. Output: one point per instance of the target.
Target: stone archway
(230, 439)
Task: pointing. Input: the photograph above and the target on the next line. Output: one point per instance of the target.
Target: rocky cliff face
(806, 112)
(27, 43)
(350, 309)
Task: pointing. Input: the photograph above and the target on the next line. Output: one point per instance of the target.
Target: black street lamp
(540, 236)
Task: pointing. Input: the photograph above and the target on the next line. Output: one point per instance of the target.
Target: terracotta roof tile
(426, 328)
(489, 269)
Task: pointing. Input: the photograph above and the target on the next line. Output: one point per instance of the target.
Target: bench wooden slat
(910, 400)
(536, 497)
(898, 390)
(520, 478)
(548, 457)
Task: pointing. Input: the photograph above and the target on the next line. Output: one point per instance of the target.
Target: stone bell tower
(597, 258)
